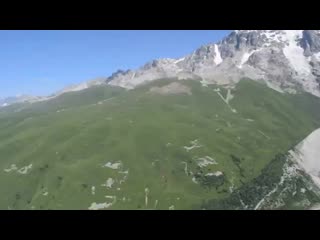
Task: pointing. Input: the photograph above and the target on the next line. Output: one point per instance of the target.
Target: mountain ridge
(285, 60)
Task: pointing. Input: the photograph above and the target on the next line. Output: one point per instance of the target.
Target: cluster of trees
(237, 162)
(252, 192)
(210, 181)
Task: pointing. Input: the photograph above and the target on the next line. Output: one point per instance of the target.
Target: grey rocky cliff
(287, 60)
(311, 42)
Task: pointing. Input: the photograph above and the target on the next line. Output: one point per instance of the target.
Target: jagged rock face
(239, 40)
(311, 42)
(117, 74)
(315, 65)
(273, 64)
(156, 69)
(286, 59)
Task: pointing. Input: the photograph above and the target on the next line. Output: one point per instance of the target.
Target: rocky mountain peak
(116, 74)
(287, 60)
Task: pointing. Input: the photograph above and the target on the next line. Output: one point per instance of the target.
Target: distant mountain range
(31, 99)
(285, 60)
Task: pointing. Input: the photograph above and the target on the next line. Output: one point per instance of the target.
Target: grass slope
(68, 140)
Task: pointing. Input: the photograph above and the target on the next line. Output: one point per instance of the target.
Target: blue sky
(42, 62)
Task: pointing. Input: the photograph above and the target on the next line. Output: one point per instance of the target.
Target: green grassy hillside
(116, 149)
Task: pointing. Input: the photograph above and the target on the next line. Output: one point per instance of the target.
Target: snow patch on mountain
(295, 53)
(245, 58)
(179, 60)
(217, 57)
(317, 56)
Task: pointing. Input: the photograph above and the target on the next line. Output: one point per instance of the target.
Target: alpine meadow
(235, 125)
